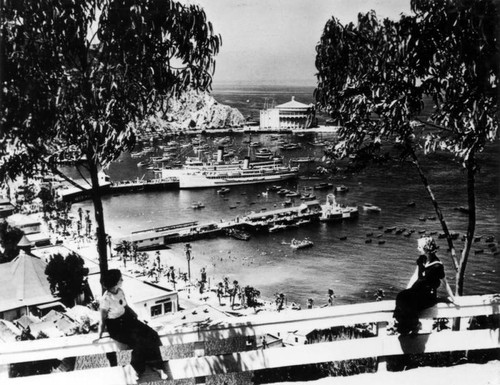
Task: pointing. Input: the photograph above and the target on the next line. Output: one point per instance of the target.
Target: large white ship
(231, 177)
(197, 174)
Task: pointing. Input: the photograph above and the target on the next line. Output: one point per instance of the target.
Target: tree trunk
(99, 216)
(438, 211)
(471, 227)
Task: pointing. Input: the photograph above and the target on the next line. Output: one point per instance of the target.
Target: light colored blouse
(114, 304)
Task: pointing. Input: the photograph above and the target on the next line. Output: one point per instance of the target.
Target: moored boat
(301, 244)
(197, 205)
(238, 234)
(371, 208)
(323, 186)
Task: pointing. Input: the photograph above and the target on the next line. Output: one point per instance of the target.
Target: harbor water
(341, 258)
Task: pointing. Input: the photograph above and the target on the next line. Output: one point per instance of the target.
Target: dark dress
(144, 341)
(421, 295)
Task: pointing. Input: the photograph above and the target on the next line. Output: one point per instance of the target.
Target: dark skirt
(144, 341)
(409, 303)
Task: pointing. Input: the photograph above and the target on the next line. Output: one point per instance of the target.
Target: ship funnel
(220, 151)
(246, 163)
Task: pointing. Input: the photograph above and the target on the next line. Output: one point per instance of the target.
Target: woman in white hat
(422, 291)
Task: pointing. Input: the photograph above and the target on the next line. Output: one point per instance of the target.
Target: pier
(266, 221)
(73, 194)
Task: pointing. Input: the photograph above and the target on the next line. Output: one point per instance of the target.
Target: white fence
(380, 346)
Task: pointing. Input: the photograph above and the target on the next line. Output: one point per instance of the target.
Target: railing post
(382, 334)
(199, 351)
(4, 371)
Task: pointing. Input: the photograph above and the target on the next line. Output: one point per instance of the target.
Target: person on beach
(331, 296)
(203, 274)
(379, 295)
(171, 274)
(121, 322)
(243, 298)
(234, 292)
(422, 288)
(220, 293)
(226, 285)
(310, 303)
(280, 302)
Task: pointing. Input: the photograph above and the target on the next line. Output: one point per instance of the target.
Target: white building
(150, 301)
(288, 116)
(25, 223)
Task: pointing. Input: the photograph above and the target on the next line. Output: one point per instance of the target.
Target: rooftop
(293, 104)
(24, 282)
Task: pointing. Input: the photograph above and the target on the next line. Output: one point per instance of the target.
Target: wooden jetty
(159, 237)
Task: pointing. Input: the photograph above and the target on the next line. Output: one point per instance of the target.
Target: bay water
(341, 258)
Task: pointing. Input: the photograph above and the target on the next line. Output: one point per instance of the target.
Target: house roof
(46, 252)
(22, 220)
(24, 283)
(293, 104)
(24, 242)
(8, 331)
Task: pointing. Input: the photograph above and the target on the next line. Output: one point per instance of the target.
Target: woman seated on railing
(123, 326)
(422, 288)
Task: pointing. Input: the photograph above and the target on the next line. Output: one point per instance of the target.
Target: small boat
(277, 227)
(238, 234)
(323, 186)
(318, 143)
(296, 244)
(223, 190)
(289, 146)
(371, 208)
(308, 197)
(144, 163)
(263, 153)
(341, 189)
(197, 205)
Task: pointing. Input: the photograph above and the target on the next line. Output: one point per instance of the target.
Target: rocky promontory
(196, 110)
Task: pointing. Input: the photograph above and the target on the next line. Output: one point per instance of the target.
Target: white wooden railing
(380, 346)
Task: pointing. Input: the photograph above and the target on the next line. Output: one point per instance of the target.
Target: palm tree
(124, 248)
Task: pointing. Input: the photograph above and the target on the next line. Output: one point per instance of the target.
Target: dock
(73, 194)
(144, 185)
(307, 213)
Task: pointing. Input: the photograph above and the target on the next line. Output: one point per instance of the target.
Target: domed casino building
(291, 115)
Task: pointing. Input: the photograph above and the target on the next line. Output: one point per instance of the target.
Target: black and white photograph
(232, 192)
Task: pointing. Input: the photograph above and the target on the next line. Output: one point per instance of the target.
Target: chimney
(293, 98)
(246, 163)
(220, 151)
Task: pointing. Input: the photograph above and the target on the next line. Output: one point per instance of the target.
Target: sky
(272, 42)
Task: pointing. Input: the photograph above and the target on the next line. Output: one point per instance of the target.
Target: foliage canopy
(78, 73)
(375, 76)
